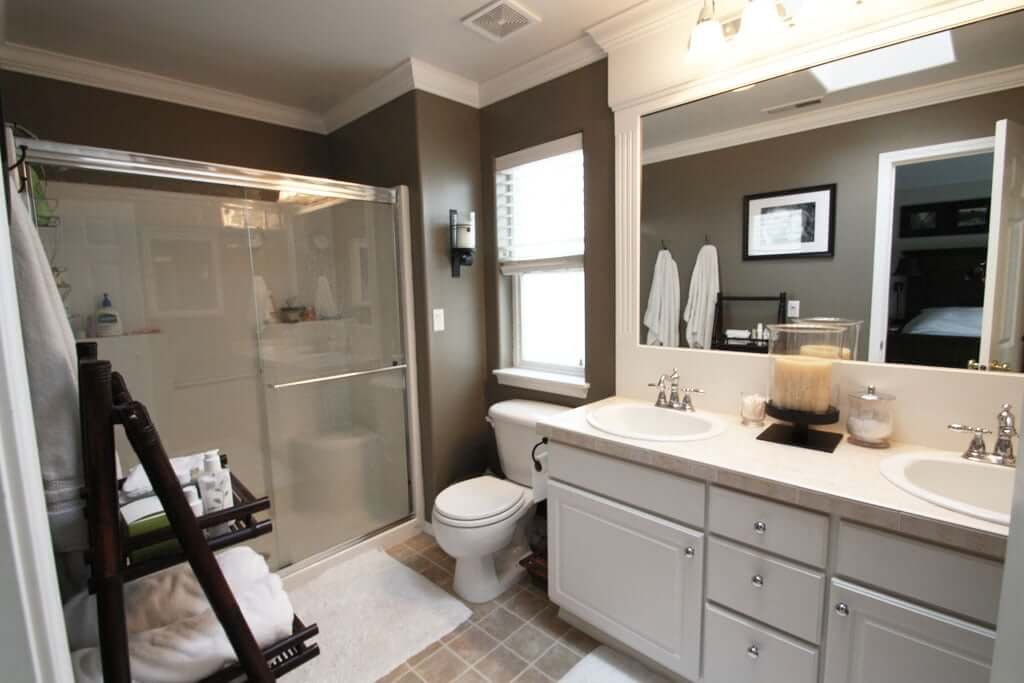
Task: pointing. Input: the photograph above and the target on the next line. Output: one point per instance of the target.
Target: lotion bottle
(215, 490)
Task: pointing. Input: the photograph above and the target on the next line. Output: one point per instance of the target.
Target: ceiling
(978, 48)
(309, 54)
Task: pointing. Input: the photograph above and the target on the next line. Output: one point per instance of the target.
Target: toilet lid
(479, 498)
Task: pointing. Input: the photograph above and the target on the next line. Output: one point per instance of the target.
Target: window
(539, 206)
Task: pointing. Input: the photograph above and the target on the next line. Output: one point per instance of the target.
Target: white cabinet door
(874, 638)
(635, 576)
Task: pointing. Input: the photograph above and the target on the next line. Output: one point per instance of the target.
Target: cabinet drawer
(877, 638)
(778, 593)
(738, 650)
(798, 534)
(636, 577)
(948, 579)
(664, 494)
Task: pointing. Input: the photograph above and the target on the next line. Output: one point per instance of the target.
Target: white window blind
(539, 207)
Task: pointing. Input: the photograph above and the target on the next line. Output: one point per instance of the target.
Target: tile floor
(517, 637)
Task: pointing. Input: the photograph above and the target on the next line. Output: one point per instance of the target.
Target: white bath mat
(374, 613)
(605, 665)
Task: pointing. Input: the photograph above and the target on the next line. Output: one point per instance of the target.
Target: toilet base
(481, 579)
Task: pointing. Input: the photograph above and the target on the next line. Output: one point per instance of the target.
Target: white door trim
(888, 162)
(34, 645)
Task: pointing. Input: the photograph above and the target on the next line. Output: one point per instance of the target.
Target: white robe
(700, 304)
(662, 316)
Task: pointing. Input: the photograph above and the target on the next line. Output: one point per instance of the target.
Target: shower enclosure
(260, 313)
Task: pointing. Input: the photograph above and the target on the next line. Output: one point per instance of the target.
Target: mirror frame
(630, 353)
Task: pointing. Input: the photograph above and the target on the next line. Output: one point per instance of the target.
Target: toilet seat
(478, 502)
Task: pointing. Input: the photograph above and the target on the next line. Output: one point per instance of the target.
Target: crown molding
(922, 96)
(566, 59)
(62, 67)
(437, 81)
(639, 21)
(391, 85)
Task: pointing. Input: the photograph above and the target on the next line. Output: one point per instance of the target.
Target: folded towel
(162, 598)
(737, 334)
(662, 316)
(193, 648)
(324, 299)
(137, 485)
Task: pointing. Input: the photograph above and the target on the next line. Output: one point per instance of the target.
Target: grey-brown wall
(687, 197)
(574, 103)
(432, 145)
(79, 114)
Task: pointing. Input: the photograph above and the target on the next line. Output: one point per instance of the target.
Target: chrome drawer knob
(760, 527)
(753, 652)
(689, 552)
(757, 580)
(843, 610)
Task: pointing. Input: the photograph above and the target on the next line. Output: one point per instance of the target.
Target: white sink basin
(650, 423)
(976, 489)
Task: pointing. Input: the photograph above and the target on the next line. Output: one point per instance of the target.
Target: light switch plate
(793, 308)
(438, 320)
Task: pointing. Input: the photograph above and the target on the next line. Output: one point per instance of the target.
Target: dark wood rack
(104, 402)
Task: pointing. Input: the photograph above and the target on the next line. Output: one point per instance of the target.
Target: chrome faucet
(661, 401)
(1003, 452)
(685, 403)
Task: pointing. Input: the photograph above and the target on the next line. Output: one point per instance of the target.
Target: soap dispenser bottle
(107, 319)
(215, 490)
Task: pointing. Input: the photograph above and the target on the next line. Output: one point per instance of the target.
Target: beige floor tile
(471, 676)
(501, 666)
(472, 645)
(526, 604)
(529, 642)
(395, 675)
(421, 543)
(400, 551)
(557, 661)
(532, 675)
(456, 632)
(509, 595)
(440, 558)
(500, 623)
(423, 654)
(481, 610)
(410, 677)
(548, 622)
(417, 563)
(579, 641)
(441, 667)
(435, 573)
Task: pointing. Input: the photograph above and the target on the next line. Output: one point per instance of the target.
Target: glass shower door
(327, 296)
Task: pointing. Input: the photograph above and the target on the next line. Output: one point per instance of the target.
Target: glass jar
(871, 418)
(850, 343)
(802, 356)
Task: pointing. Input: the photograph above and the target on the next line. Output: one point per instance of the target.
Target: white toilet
(481, 521)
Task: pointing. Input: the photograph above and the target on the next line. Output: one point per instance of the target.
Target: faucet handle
(660, 384)
(957, 427)
(691, 390)
(661, 401)
(977, 449)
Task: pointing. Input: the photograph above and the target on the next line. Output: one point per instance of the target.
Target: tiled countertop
(847, 482)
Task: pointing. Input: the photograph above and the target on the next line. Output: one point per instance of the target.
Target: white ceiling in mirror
(986, 48)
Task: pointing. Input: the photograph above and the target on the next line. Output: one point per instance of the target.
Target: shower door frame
(131, 163)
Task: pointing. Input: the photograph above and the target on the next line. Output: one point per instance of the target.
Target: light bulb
(760, 20)
(707, 40)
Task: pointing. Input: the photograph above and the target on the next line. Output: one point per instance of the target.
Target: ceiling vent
(499, 20)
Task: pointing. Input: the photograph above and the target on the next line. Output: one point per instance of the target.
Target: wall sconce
(462, 230)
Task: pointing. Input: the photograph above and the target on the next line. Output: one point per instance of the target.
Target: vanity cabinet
(875, 638)
(635, 576)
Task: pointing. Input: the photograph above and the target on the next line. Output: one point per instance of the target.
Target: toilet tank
(515, 429)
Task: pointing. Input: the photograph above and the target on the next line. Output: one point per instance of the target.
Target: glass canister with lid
(871, 418)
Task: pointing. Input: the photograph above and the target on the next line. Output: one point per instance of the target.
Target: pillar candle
(802, 383)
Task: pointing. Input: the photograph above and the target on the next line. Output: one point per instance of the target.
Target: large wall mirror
(886, 188)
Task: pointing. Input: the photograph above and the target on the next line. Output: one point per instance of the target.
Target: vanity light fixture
(462, 232)
(708, 37)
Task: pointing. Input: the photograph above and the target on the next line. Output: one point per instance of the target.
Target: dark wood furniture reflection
(720, 342)
(104, 402)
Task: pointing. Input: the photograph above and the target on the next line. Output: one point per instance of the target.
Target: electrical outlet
(793, 308)
(438, 320)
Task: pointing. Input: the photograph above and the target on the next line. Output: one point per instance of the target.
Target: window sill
(548, 382)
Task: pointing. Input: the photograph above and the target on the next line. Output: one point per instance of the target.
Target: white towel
(700, 304)
(52, 372)
(324, 302)
(662, 316)
(162, 598)
(195, 647)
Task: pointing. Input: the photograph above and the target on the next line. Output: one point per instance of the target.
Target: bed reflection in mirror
(878, 188)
